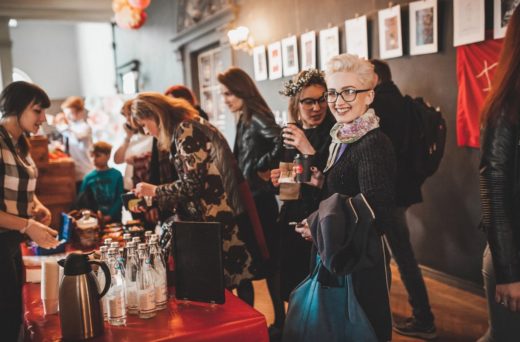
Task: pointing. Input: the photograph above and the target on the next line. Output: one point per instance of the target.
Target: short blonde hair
(352, 63)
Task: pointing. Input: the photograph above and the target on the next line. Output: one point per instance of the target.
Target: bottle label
(147, 299)
(131, 297)
(161, 294)
(116, 308)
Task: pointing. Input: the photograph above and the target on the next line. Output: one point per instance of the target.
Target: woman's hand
(41, 234)
(275, 176)
(145, 189)
(508, 295)
(294, 136)
(41, 213)
(303, 229)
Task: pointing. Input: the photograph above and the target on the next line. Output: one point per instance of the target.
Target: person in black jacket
(257, 149)
(500, 191)
(390, 106)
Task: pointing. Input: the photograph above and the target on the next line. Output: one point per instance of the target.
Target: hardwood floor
(460, 316)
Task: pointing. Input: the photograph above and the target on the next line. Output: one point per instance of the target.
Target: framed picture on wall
(468, 21)
(290, 56)
(329, 45)
(260, 63)
(274, 51)
(423, 27)
(308, 49)
(503, 10)
(390, 35)
(356, 36)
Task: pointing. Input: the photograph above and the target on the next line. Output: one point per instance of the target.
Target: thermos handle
(108, 278)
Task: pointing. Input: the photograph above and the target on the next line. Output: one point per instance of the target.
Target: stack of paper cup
(50, 285)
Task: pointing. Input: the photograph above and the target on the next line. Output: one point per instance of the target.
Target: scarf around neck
(346, 133)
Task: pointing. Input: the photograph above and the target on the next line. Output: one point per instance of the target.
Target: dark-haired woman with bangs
(23, 107)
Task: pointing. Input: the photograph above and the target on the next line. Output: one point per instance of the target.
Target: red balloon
(141, 21)
(141, 4)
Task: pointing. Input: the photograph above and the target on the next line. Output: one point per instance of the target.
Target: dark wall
(443, 227)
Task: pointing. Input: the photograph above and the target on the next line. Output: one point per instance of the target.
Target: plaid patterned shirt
(17, 177)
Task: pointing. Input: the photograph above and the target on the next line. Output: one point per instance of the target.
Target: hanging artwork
(390, 36)
(468, 21)
(329, 45)
(356, 36)
(503, 10)
(290, 56)
(308, 49)
(260, 63)
(423, 27)
(274, 51)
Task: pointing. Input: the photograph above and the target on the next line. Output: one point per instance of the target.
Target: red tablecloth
(181, 321)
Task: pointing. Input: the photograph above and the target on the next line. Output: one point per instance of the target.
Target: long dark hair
(15, 98)
(241, 85)
(505, 88)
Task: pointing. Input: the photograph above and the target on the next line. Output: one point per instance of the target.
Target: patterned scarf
(346, 133)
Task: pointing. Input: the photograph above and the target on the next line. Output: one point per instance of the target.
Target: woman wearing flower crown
(310, 136)
(361, 160)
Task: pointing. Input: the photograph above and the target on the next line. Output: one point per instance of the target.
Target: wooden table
(180, 321)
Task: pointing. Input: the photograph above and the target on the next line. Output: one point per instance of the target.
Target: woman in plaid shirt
(22, 106)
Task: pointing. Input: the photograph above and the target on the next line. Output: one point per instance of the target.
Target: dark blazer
(500, 196)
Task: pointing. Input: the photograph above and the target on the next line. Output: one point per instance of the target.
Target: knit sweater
(367, 166)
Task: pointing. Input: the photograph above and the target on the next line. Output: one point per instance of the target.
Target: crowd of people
(348, 120)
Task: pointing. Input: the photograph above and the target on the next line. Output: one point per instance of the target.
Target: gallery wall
(444, 227)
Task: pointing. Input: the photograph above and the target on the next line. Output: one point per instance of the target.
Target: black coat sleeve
(271, 134)
(497, 168)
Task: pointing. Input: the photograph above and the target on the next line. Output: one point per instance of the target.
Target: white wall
(47, 52)
(96, 59)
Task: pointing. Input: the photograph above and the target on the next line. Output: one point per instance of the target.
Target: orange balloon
(142, 20)
(117, 5)
(141, 4)
(123, 17)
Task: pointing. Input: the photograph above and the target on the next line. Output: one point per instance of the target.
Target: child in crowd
(105, 183)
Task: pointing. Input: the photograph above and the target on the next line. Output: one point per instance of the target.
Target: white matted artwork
(329, 45)
(468, 21)
(274, 51)
(390, 37)
(423, 27)
(503, 10)
(308, 50)
(290, 56)
(260, 63)
(356, 36)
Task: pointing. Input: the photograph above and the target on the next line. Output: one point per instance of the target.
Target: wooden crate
(39, 150)
(56, 187)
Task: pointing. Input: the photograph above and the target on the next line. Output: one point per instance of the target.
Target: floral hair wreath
(291, 88)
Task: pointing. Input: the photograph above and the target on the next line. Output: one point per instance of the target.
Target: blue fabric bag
(320, 313)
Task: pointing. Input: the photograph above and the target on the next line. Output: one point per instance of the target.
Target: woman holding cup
(23, 107)
(310, 139)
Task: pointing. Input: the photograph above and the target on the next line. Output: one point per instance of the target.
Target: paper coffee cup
(50, 285)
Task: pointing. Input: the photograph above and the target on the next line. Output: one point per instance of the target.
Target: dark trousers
(11, 282)
(398, 240)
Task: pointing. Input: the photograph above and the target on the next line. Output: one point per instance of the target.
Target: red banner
(476, 65)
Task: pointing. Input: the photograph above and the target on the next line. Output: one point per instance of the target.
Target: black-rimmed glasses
(348, 95)
(308, 102)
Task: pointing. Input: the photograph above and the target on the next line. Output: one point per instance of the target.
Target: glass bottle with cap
(159, 273)
(145, 284)
(103, 256)
(131, 272)
(116, 294)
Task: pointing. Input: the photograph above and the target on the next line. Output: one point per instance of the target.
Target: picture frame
(356, 36)
(423, 27)
(390, 33)
(468, 21)
(290, 56)
(329, 45)
(260, 63)
(502, 11)
(274, 51)
(308, 50)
